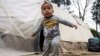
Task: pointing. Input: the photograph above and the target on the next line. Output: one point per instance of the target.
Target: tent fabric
(22, 18)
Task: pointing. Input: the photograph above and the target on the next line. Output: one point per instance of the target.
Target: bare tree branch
(83, 10)
(80, 14)
(81, 5)
(75, 4)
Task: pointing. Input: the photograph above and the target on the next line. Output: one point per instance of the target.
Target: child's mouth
(47, 13)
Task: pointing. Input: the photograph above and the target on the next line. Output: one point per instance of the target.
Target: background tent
(20, 18)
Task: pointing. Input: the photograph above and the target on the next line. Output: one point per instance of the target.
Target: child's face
(47, 10)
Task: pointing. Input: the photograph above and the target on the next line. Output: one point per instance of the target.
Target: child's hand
(33, 35)
(75, 26)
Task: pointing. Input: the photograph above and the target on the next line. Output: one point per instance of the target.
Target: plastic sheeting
(22, 18)
(19, 17)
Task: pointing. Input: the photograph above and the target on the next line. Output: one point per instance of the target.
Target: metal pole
(97, 12)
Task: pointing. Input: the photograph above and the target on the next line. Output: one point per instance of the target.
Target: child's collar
(48, 17)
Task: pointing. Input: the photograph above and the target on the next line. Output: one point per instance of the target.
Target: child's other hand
(75, 26)
(33, 35)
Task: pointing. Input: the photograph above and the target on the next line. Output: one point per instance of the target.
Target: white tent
(22, 17)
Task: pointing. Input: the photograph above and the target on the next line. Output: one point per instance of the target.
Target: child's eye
(49, 8)
(44, 8)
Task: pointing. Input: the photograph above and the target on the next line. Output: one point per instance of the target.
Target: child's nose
(46, 10)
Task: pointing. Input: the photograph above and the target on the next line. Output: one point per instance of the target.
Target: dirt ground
(71, 53)
(81, 53)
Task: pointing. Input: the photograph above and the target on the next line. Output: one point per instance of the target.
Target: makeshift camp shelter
(20, 18)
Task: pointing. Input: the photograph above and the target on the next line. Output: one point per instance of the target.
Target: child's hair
(45, 2)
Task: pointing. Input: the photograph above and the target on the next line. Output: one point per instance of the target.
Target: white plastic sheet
(23, 17)
(19, 17)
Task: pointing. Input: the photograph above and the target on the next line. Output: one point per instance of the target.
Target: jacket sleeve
(40, 27)
(65, 22)
(38, 30)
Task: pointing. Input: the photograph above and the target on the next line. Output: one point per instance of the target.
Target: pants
(51, 46)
